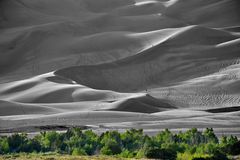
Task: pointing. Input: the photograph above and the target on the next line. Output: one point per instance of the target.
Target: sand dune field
(117, 64)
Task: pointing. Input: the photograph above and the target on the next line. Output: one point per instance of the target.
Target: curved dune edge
(119, 64)
(48, 94)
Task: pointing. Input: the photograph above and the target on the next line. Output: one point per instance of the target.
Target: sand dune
(160, 64)
(46, 94)
(149, 64)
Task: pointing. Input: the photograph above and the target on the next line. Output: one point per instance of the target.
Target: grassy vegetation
(190, 145)
(54, 156)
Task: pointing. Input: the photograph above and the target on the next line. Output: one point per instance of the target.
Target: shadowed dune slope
(48, 94)
(120, 64)
(162, 64)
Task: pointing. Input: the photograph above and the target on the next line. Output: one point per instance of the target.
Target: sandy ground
(118, 64)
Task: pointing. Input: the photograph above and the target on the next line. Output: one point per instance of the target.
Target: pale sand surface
(118, 64)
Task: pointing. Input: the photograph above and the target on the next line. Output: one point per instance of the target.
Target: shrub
(78, 152)
(160, 153)
(127, 154)
(111, 147)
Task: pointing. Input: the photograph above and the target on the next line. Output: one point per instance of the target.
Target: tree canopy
(129, 144)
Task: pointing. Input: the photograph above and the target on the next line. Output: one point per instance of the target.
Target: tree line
(133, 143)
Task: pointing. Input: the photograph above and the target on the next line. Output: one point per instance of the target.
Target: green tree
(50, 141)
(17, 142)
(230, 145)
(111, 143)
(209, 136)
(91, 142)
(111, 147)
(4, 146)
(164, 137)
(133, 139)
(76, 139)
(194, 137)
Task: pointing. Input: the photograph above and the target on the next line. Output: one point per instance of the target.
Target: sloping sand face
(116, 64)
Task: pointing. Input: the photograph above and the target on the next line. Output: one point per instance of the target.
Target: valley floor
(55, 157)
(68, 157)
